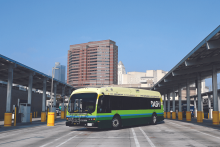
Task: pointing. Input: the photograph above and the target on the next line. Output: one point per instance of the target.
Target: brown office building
(93, 63)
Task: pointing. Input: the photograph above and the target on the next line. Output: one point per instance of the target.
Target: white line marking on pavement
(135, 138)
(68, 140)
(197, 131)
(148, 139)
(56, 139)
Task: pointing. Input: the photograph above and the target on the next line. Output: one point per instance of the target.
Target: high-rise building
(93, 63)
(59, 73)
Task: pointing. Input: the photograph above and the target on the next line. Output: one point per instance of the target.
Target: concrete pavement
(166, 134)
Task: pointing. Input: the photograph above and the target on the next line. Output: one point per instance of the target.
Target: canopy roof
(199, 61)
(21, 76)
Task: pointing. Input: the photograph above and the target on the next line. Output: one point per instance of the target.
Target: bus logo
(155, 104)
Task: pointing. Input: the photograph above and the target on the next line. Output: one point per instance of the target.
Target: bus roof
(119, 91)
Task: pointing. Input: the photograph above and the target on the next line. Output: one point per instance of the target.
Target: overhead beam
(214, 44)
(202, 61)
(175, 82)
(194, 70)
(173, 85)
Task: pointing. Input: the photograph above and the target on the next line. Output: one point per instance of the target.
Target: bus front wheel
(154, 119)
(116, 123)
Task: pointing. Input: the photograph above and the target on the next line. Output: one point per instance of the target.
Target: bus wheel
(154, 119)
(116, 123)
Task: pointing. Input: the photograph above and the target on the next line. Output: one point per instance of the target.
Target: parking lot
(164, 134)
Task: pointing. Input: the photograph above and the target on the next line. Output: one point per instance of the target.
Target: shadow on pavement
(36, 123)
(206, 123)
(101, 130)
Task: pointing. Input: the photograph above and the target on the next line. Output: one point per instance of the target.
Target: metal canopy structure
(199, 61)
(21, 74)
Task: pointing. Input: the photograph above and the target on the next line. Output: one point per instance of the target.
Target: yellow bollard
(36, 114)
(173, 115)
(43, 116)
(208, 115)
(168, 115)
(219, 117)
(215, 119)
(7, 119)
(165, 115)
(180, 116)
(15, 116)
(188, 116)
(31, 117)
(199, 117)
(62, 115)
(203, 115)
(50, 120)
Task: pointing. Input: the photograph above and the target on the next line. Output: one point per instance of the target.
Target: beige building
(145, 79)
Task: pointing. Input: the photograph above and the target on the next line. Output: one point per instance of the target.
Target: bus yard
(136, 124)
(164, 134)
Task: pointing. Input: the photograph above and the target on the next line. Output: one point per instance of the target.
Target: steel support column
(8, 114)
(30, 84)
(199, 96)
(195, 107)
(174, 107)
(164, 106)
(43, 113)
(188, 113)
(63, 90)
(168, 105)
(209, 106)
(44, 95)
(215, 119)
(62, 96)
(180, 114)
(180, 99)
(9, 88)
(54, 97)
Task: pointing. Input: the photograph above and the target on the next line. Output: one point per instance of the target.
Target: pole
(51, 91)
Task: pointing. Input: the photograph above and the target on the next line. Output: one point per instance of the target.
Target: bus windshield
(82, 103)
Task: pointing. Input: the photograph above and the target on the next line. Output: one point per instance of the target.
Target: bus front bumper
(91, 125)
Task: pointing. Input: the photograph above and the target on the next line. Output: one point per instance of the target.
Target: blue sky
(149, 34)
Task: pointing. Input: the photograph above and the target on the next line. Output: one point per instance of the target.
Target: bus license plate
(89, 124)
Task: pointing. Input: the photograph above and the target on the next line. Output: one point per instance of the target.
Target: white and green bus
(114, 107)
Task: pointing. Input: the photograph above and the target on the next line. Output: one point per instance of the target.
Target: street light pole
(52, 88)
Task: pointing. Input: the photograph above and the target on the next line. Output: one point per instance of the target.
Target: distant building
(93, 63)
(121, 71)
(145, 79)
(59, 73)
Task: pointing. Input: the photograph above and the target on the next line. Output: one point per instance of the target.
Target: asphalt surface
(170, 133)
